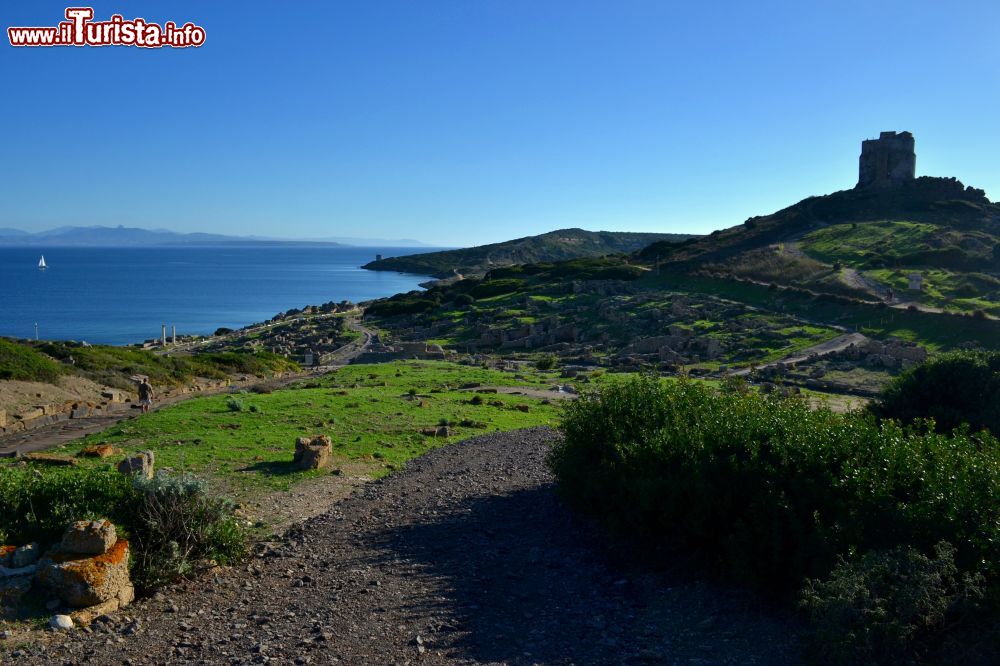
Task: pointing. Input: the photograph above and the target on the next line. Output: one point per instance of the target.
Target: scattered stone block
(89, 537)
(86, 616)
(113, 395)
(82, 581)
(49, 459)
(140, 464)
(100, 451)
(313, 453)
(25, 556)
(14, 584)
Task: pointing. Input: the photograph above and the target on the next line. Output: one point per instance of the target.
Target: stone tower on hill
(888, 160)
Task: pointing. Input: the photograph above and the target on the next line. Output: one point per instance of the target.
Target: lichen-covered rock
(313, 453)
(82, 581)
(100, 451)
(89, 537)
(141, 464)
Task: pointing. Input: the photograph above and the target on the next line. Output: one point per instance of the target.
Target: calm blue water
(123, 295)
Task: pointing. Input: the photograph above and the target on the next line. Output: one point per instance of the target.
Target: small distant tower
(888, 160)
(378, 257)
(173, 337)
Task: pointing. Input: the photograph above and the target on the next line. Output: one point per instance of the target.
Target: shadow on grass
(273, 467)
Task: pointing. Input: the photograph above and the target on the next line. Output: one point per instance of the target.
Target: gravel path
(467, 556)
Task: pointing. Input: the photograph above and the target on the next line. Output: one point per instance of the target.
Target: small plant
(476, 400)
(175, 524)
(234, 404)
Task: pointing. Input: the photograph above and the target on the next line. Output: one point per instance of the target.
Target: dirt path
(839, 343)
(466, 557)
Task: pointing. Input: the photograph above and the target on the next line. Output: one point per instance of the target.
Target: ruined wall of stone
(888, 160)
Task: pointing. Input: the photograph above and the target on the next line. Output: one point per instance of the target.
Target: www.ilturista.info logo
(81, 30)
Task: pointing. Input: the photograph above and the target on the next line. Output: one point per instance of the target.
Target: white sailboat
(41, 263)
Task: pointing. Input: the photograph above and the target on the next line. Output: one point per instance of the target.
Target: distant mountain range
(122, 236)
(559, 245)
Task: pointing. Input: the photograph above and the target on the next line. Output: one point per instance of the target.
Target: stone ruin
(888, 160)
(86, 574)
(313, 452)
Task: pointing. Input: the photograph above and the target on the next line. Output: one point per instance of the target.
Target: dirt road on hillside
(832, 346)
(465, 557)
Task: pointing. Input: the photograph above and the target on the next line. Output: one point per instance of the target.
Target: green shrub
(489, 288)
(402, 304)
(37, 505)
(769, 491)
(234, 404)
(546, 362)
(174, 524)
(115, 365)
(889, 606)
(952, 389)
(22, 363)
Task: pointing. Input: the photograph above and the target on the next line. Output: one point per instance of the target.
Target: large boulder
(314, 452)
(82, 580)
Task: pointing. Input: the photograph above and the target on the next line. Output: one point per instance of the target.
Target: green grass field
(950, 290)
(858, 244)
(373, 413)
(936, 332)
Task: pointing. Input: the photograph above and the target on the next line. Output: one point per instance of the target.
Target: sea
(120, 296)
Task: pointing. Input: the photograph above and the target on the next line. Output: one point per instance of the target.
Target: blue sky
(464, 121)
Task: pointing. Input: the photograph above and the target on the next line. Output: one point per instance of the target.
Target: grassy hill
(863, 243)
(774, 287)
(558, 245)
(114, 366)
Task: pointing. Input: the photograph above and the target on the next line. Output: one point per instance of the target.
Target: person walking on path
(145, 395)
